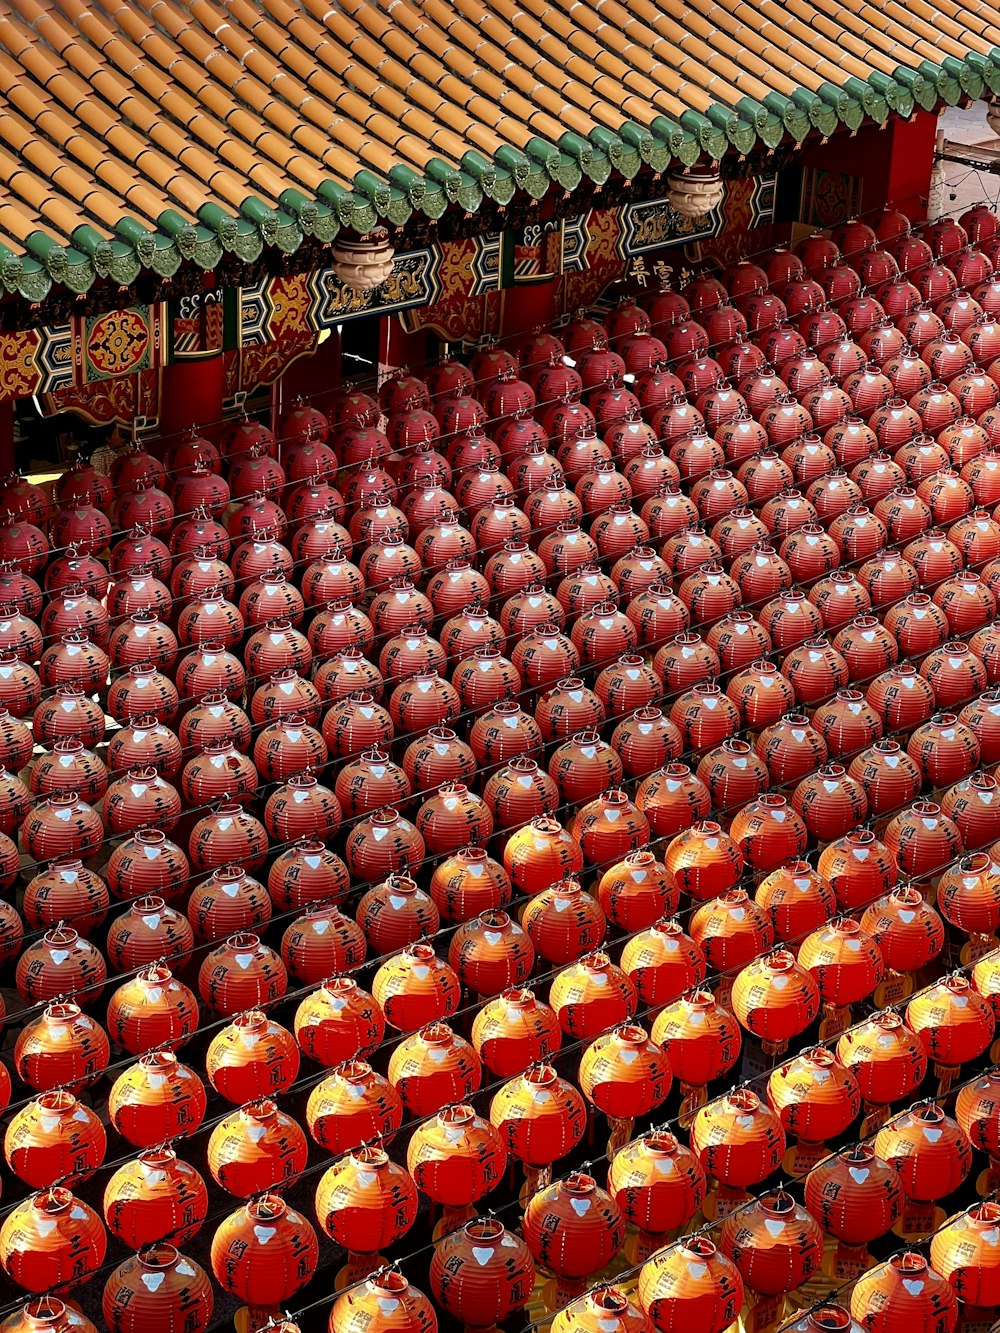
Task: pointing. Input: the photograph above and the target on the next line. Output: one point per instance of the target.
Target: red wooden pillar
(7, 457)
(911, 163)
(893, 161)
(192, 396)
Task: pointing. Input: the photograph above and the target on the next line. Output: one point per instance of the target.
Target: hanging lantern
(251, 1058)
(740, 1142)
(731, 931)
(856, 1197)
(574, 1229)
(241, 974)
(514, 1030)
(306, 873)
(658, 1184)
(775, 998)
(150, 931)
(769, 832)
(352, 1106)
(540, 1118)
(61, 1048)
(66, 891)
(908, 931)
(701, 1039)
(156, 1099)
(830, 802)
(888, 1061)
(60, 963)
(52, 1138)
(796, 898)
(386, 1298)
(434, 1068)
(415, 988)
(860, 868)
(155, 1197)
(481, 1273)
(51, 1241)
(672, 799)
(256, 1148)
(954, 1023)
(157, 1285)
(396, 913)
(152, 1009)
(455, 1159)
(691, 1284)
(846, 963)
(264, 1252)
(592, 995)
(962, 1251)
(491, 954)
(932, 1156)
(776, 1245)
(226, 903)
(637, 891)
(365, 1202)
(816, 1100)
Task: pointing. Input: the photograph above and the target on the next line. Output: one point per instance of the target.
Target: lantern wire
(531, 982)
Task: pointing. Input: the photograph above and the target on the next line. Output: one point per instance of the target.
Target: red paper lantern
(51, 1241)
(155, 1197)
(264, 1252)
(691, 1281)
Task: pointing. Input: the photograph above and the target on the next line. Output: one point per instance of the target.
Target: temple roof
(141, 133)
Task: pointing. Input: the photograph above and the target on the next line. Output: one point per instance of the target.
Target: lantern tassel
(946, 1076)
(849, 1262)
(693, 1096)
(621, 1133)
(358, 1267)
(988, 1181)
(917, 1220)
(760, 1314)
(835, 1019)
(894, 988)
(875, 1118)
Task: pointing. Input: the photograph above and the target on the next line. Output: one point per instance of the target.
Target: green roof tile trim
(568, 173)
(821, 117)
(987, 71)
(537, 182)
(156, 250)
(793, 118)
(581, 150)
(24, 276)
(12, 273)
(434, 203)
(412, 185)
(224, 224)
(626, 157)
(504, 188)
(945, 85)
(482, 171)
(87, 255)
(742, 134)
(112, 259)
(970, 80)
(873, 103)
(600, 167)
(644, 143)
(64, 263)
